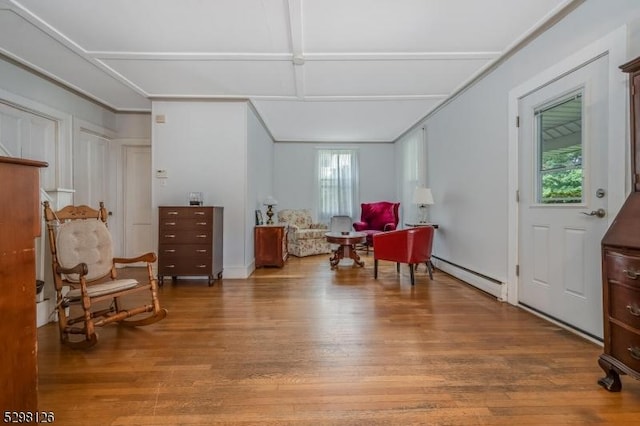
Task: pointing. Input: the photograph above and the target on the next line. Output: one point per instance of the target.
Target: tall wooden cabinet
(190, 242)
(621, 266)
(19, 226)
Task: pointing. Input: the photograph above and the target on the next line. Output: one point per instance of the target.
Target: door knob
(598, 213)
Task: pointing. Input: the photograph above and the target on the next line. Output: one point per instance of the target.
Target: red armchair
(412, 246)
(377, 217)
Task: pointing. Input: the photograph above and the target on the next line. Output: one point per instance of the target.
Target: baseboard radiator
(482, 282)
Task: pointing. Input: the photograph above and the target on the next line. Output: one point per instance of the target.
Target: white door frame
(614, 45)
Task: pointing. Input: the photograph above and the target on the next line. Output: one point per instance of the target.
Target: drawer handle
(199, 213)
(170, 266)
(169, 235)
(202, 223)
(170, 251)
(631, 274)
(201, 266)
(170, 223)
(201, 236)
(172, 213)
(201, 251)
(634, 351)
(634, 309)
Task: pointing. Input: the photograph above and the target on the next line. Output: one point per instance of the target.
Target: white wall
(467, 141)
(17, 80)
(294, 173)
(133, 126)
(259, 176)
(203, 147)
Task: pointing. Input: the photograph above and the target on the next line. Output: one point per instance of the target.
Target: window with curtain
(337, 183)
(413, 171)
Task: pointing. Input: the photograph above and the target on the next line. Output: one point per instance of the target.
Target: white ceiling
(315, 70)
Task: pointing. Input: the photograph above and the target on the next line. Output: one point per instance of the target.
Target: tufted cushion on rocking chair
(89, 241)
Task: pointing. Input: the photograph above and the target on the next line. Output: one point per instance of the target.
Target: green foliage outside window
(561, 173)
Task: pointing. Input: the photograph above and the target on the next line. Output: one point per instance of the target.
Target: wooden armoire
(19, 226)
(621, 266)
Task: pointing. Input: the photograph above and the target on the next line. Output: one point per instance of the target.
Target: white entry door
(563, 194)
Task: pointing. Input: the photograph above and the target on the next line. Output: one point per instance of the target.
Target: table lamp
(270, 202)
(422, 197)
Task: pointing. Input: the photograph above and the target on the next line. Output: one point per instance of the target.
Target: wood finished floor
(307, 345)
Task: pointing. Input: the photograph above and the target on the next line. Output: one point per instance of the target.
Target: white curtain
(337, 183)
(413, 171)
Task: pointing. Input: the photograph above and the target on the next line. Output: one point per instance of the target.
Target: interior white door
(138, 235)
(90, 165)
(563, 193)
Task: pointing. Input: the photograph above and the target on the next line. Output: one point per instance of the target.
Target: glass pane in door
(559, 140)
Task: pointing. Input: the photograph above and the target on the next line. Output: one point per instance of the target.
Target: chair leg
(375, 269)
(412, 273)
(430, 269)
(398, 267)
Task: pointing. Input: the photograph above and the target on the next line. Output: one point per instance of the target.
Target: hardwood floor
(308, 345)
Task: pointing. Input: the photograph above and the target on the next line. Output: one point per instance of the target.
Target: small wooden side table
(270, 245)
(417, 224)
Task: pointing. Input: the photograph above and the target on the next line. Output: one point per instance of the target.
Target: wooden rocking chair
(82, 261)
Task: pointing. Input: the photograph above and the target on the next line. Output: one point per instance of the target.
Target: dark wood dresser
(621, 267)
(190, 242)
(270, 243)
(19, 226)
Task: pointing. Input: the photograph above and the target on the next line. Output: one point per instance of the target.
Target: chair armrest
(360, 226)
(147, 257)
(389, 227)
(81, 269)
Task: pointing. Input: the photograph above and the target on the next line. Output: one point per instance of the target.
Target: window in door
(337, 183)
(559, 140)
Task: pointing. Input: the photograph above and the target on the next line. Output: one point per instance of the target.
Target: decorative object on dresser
(270, 202)
(422, 197)
(621, 266)
(82, 259)
(306, 238)
(270, 243)
(195, 198)
(19, 227)
(190, 242)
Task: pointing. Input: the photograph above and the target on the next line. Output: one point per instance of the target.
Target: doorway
(563, 188)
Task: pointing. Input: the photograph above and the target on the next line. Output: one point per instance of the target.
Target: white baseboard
(499, 290)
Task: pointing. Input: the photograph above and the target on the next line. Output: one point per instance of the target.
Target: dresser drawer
(186, 236)
(170, 223)
(625, 346)
(623, 268)
(184, 250)
(624, 304)
(185, 213)
(185, 266)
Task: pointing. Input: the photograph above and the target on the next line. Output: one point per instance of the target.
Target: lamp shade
(422, 196)
(270, 201)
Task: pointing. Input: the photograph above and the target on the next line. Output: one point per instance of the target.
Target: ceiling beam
(295, 30)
